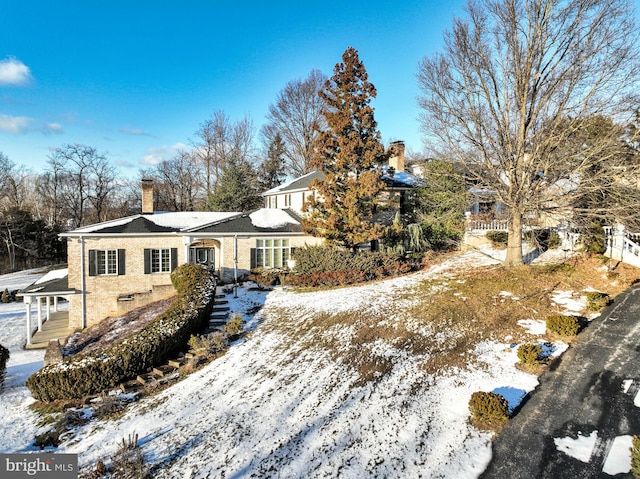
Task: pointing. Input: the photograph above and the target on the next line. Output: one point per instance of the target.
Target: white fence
(495, 225)
(622, 245)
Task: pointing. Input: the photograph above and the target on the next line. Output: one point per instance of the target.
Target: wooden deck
(57, 327)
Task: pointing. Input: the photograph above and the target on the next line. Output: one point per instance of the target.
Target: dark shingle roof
(244, 224)
(58, 285)
(137, 225)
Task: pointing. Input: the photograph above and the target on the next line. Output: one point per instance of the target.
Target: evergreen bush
(161, 339)
(529, 354)
(329, 266)
(488, 410)
(498, 238)
(563, 325)
(4, 359)
(6, 296)
(635, 457)
(596, 300)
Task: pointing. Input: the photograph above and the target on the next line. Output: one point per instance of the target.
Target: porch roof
(54, 283)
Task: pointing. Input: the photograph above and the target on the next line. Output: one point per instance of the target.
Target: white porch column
(27, 302)
(39, 313)
(48, 308)
(55, 304)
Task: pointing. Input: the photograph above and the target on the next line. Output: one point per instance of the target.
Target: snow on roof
(301, 182)
(180, 220)
(401, 177)
(271, 218)
(54, 274)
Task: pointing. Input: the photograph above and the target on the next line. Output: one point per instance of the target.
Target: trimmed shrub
(635, 457)
(6, 296)
(596, 300)
(563, 325)
(498, 238)
(4, 359)
(488, 410)
(529, 354)
(161, 339)
(327, 266)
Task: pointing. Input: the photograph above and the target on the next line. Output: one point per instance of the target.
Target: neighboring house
(119, 265)
(398, 182)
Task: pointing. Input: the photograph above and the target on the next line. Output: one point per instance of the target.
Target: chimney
(147, 196)
(396, 158)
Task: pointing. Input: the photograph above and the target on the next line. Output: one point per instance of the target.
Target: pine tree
(272, 171)
(349, 150)
(236, 190)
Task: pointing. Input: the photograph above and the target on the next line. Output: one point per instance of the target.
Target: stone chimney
(147, 196)
(396, 158)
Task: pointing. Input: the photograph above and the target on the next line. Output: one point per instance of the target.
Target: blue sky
(136, 78)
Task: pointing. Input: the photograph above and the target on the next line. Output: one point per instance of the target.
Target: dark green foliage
(272, 171)
(160, 340)
(437, 208)
(236, 190)
(6, 296)
(635, 457)
(563, 325)
(4, 359)
(488, 410)
(498, 238)
(529, 354)
(596, 300)
(327, 266)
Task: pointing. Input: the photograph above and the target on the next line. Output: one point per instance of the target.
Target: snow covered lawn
(280, 403)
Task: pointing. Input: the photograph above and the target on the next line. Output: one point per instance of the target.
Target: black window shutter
(147, 261)
(254, 260)
(121, 265)
(174, 258)
(93, 263)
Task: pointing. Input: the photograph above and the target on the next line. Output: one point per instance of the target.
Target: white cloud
(51, 128)
(159, 154)
(15, 124)
(14, 73)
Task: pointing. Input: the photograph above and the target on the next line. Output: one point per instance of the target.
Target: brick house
(122, 264)
(119, 265)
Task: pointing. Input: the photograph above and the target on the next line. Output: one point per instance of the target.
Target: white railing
(499, 225)
(622, 245)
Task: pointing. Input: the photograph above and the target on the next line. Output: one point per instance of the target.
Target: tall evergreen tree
(272, 171)
(236, 190)
(349, 149)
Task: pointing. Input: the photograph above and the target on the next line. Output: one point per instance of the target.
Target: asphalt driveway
(588, 393)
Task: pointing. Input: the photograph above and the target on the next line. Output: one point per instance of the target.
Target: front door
(204, 256)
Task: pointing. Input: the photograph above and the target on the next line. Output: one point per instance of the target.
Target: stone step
(220, 296)
(219, 317)
(220, 309)
(175, 363)
(222, 301)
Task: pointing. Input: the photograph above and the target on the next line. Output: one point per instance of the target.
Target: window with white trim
(104, 262)
(272, 253)
(161, 260)
(107, 261)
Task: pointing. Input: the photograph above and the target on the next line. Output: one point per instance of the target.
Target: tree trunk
(514, 242)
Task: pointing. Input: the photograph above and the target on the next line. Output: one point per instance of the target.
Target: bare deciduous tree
(297, 117)
(211, 146)
(179, 183)
(517, 82)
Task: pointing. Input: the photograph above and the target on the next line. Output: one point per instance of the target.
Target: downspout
(83, 285)
(235, 266)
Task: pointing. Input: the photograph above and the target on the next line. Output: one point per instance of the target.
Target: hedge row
(326, 266)
(164, 337)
